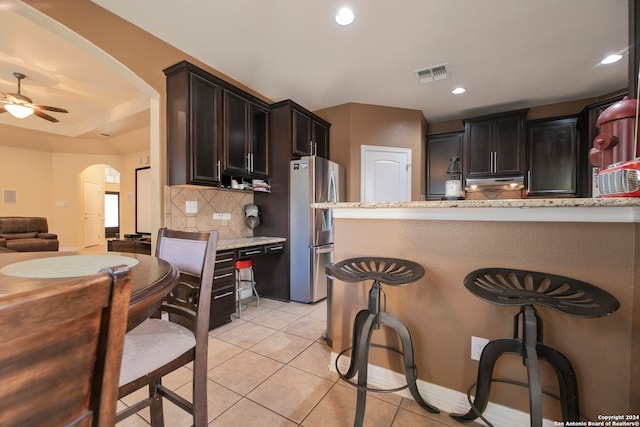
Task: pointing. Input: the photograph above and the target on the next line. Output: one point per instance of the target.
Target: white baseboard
(447, 400)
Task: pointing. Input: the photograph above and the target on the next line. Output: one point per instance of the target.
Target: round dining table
(153, 278)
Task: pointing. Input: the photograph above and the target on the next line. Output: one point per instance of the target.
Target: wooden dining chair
(178, 334)
(60, 351)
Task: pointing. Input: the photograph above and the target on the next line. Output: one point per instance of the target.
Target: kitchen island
(593, 240)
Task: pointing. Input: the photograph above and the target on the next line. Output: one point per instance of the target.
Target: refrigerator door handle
(333, 189)
(324, 249)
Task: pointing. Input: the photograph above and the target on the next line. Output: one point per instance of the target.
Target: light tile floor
(270, 368)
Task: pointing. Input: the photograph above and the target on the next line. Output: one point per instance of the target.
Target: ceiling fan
(21, 106)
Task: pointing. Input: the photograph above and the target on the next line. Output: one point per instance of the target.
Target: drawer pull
(276, 248)
(222, 276)
(224, 260)
(226, 294)
(254, 252)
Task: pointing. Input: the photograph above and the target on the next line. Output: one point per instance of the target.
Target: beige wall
(442, 315)
(354, 125)
(30, 173)
(50, 185)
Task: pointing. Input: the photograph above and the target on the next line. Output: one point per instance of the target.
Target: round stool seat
(390, 271)
(504, 286)
(244, 263)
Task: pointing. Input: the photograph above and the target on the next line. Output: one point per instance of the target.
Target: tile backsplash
(209, 201)
(491, 194)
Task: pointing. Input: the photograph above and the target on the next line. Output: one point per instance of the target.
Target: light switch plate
(217, 215)
(192, 207)
(226, 216)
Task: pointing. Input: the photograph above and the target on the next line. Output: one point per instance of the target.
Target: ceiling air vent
(430, 74)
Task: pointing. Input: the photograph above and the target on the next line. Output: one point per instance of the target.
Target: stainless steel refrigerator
(313, 180)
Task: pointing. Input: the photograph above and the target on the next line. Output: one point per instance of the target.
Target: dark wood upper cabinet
(320, 139)
(236, 127)
(213, 129)
(259, 141)
(193, 129)
(552, 157)
(494, 145)
(301, 133)
(440, 149)
(309, 133)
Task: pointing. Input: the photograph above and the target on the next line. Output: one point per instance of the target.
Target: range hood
(501, 183)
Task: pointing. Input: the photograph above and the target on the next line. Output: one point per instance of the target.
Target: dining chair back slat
(60, 351)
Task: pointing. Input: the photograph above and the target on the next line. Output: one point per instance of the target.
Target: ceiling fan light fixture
(18, 111)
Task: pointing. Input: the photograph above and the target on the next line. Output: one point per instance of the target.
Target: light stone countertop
(502, 203)
(245, 242)
(619, 209)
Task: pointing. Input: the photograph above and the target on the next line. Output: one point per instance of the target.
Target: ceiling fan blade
(45, 116)
(2, 110)
(48, 108)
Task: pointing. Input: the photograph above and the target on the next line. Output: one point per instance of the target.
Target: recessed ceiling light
(458, 91)
(611, 59)
(345, 16)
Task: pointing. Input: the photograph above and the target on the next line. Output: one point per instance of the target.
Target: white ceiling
(64, 70)
(508, 54)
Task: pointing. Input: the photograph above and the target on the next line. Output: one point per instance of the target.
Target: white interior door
(92, 203)
(385, 174)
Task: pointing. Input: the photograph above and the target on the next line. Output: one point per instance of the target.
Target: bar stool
(388, 271)
(525, 289)
(243, 284)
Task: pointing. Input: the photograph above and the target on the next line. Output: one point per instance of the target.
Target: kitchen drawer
(224, 273)
(224, 260)
(274, 248)
(223, 305)
(251, 251)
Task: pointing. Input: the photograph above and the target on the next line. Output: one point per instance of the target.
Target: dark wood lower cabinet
(223, 293)
(130, 246)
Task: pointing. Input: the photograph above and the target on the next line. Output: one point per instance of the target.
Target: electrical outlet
(226, 216)
(191, 207)
(217, 215)
(477, 345)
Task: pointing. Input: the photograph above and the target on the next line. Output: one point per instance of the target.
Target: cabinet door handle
(222, 276)
(528, 180)
(494, 162)
(251, 162)
(218, 170)
(226, 294)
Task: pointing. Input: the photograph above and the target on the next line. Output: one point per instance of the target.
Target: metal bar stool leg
(410, 369)
(358, 325)
(530, 336)
(488, 359)
(566, 380)
(362, 366)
